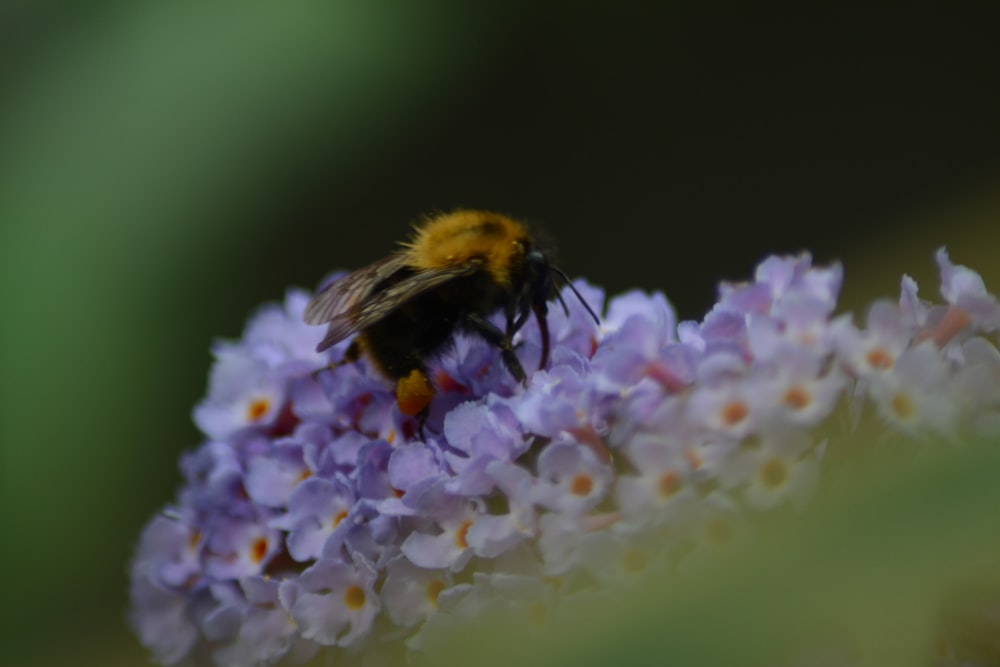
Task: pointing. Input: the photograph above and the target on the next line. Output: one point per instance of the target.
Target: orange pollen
(879, 357)
(354, 597)
(341, 515)
(669, 484)
(257, 409)
(391, 437)
(634, 561)
(903, 406)
(414, 393)
(719, 531)
(258, 550)
(581, 485)
(460, 535)
(797, 398)
(194, 539)
(735, 412)
(306, 474)
(773, 473)
(433, 590)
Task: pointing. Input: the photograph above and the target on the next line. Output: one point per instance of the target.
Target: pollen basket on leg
(414, 393)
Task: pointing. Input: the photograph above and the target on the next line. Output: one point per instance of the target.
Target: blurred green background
(165, 167)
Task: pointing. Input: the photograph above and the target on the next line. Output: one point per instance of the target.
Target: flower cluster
(316, 514)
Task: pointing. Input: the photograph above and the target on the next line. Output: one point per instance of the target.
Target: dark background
(667, 146)
(169, 168)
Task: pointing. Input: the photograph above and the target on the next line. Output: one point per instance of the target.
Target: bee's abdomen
(424, 326)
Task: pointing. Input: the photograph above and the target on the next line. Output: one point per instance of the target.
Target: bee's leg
(492, 335)
(351, 354)
(522, 309)
(421, 420)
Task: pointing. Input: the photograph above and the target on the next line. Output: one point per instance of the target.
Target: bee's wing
(353, 307)
(343, 296)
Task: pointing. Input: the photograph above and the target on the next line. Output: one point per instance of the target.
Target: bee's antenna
(562, 302)
(586, 305)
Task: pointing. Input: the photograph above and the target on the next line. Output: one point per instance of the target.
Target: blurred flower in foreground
(315, 514)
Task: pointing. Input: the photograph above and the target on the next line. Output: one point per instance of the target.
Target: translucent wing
(344, 295)
(354, 306)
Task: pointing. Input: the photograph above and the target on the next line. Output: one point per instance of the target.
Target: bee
(457, 270)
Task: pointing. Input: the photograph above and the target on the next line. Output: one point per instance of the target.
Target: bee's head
(538, 279)
(539, 288)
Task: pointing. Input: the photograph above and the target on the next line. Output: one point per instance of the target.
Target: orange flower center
(797, 398)
(354, 597)
(879, 357)
(257, 409)
(258, 550)
(581, 485)
(669, 484)
(735, 412)
(460, 535)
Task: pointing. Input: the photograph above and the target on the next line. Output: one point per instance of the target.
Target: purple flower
(318, 510)
(442, 544)
(239, 547)
(410, 593)
(478, 434)
(664, 481)
(316, 514)
(261, 630)
(244, 394)
(270, 479)
(332, 602)
(573, 477)
(916, 395)
(965, 289)
(872, 351)
(160, 617)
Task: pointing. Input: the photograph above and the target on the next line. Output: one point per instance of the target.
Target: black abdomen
(423, 327)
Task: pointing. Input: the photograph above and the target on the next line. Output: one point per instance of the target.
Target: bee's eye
(537, 263)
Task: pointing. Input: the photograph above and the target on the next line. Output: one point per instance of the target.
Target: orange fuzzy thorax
(458, 237)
